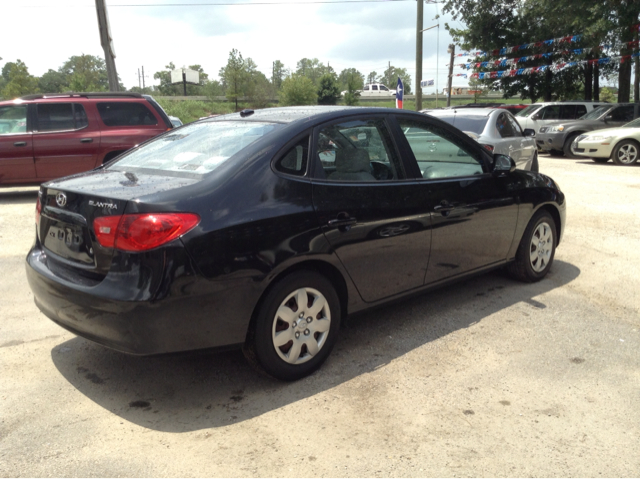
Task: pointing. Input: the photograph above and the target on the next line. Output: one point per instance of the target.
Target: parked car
(262, 229)
(175, 121)
(622, 144)
(556, 137)
(48, 136)
(496, 130)
(375, 90)
(537, 115)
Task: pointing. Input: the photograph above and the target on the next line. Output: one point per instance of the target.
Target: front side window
(439, 153)
(55, 117)
(13, 120)
(597, 113)
(357, 150)
(125, 114)
(383, 88)
(517, 131)
(196, 148)
(366, 87)
(622, 113)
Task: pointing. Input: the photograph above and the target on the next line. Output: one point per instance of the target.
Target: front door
(373, 217)
(473, 214)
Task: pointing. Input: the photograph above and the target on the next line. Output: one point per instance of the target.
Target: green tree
(18, 80)
(85, 73)
(478, 87)
(390, 78)
(53, 82)
(354, 83)
(354, 75)
(279, 73)
(234, 76)
(312, 69)
(257, 89)
(607, 95)
(298, 90)
(328, 90)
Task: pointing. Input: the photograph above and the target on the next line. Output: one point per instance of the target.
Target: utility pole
(106, 40)
(139, 84)
(389, 75)
(418, 55)
(452, 50)
(143, 85)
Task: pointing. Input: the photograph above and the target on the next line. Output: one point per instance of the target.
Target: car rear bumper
(183, 320)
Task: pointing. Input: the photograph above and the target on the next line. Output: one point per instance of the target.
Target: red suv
(43, 137)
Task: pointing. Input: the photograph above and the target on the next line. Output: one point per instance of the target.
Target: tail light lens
(38, 210)
(489, 148)
(142, 232)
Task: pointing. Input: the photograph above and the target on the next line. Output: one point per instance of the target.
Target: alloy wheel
(627, 154)
(541, 247)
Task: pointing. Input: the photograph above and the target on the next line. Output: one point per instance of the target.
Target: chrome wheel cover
(627, 154)
(301, 325)
(541, 247)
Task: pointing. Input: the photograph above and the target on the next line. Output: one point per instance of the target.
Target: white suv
(539, 114)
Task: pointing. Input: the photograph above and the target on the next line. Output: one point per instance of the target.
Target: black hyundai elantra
(263, 229)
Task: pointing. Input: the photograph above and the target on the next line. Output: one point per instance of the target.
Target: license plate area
(69, 242)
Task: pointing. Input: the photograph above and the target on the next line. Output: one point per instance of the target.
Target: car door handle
(20, 143)
(86, 140)
(341, 222)
(444, 207)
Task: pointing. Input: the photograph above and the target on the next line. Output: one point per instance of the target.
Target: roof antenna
(246, 112)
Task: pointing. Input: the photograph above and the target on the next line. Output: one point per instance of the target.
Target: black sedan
(262, 229)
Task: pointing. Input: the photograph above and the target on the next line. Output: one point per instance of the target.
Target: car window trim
(314, 158)
(285, 149)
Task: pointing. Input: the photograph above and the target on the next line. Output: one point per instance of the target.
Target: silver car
(495, 129)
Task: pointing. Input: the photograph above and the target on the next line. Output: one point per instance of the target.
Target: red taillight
(489, 148)
(142, 232)
(38, 210)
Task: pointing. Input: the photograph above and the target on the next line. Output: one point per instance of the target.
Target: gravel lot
(486, 378)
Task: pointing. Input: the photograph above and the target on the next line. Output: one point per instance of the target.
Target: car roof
(465, 112)
(297, 113)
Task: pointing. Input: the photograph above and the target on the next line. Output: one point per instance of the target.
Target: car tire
(535, 167)
(567, 147)
(600, 160)
(536, 250)
(282, 343)
(626, 153)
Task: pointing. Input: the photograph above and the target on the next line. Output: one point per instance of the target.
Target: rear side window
(294, 161)
(61, 117)
(125, 114)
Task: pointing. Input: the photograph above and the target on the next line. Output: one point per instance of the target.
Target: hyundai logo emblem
(61, 199)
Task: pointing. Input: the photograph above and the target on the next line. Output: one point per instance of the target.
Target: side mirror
(536, 116)
(608, 117)
(503, 164)
(529, 132)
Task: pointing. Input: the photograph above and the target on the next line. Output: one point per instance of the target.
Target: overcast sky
(366, 36)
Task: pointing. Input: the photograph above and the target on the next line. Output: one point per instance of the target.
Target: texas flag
(399, 93)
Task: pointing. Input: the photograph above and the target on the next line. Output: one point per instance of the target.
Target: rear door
(64, 141)
(16, 146)
(373, 216)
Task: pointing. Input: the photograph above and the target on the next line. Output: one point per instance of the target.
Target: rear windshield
(197, 148)
(595, 114)
(529, 110)
(473, 124)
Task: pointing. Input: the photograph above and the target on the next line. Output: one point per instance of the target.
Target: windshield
(633, 124)
(595, 114)
(197, 148)
(473, 124)
(529, 110)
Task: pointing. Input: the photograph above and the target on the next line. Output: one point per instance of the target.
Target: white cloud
(365, 36)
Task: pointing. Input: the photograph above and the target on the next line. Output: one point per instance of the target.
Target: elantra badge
(100, 204)
(61, 199)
